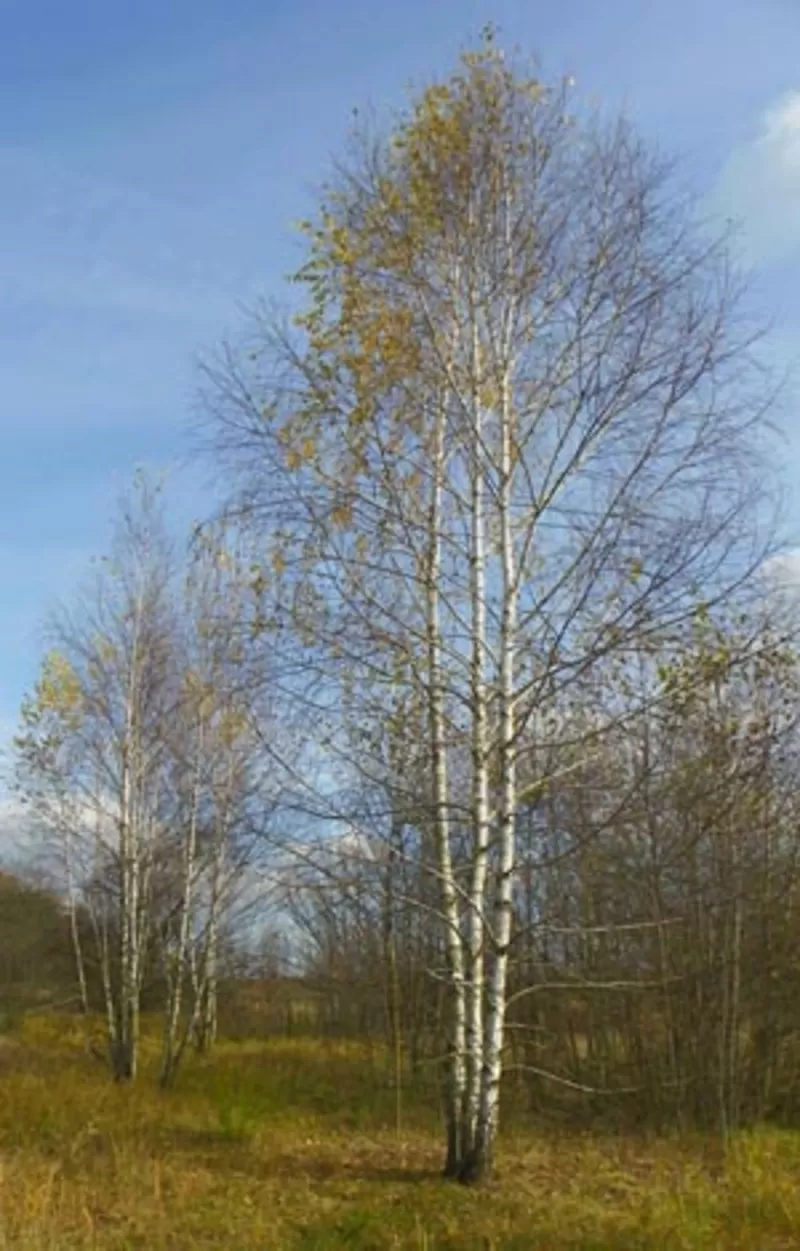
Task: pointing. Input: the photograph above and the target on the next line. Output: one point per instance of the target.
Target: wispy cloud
(108, 291)
(96, 246)
(759, 187)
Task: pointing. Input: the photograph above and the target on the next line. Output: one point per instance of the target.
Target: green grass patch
(290, 1145)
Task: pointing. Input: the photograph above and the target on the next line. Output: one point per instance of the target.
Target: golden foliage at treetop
(383, 239)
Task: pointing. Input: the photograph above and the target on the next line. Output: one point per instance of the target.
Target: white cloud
(759, 187)
(781, 581)
(784, 570)
(17, 846)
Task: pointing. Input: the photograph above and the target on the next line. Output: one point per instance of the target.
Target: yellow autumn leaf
(341, 515)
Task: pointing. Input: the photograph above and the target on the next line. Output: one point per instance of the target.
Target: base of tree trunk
(122, 1066)
(472, 1169)
(452, 1164)
(475, 1169)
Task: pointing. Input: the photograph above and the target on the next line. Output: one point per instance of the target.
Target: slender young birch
(108, 687)
(216, 759)
(177, 957)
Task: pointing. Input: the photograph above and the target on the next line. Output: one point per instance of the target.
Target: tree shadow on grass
(399, 1175)
(239, 1154)
(323, 1169)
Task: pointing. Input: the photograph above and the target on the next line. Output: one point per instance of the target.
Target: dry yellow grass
(287, 1145)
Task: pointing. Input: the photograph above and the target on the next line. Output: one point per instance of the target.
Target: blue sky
(153, 157)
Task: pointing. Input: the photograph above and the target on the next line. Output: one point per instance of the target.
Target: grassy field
(289, 1144)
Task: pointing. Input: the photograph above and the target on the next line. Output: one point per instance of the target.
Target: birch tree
(93, 760)
(219, 776)
(517, 430)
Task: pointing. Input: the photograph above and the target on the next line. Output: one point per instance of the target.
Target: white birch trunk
(480, 758)
(123, 1062)
(206, 1028)
(125, 1051)
(77, 949)
(480, 1164)
(173, 1044)
(441, 799)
